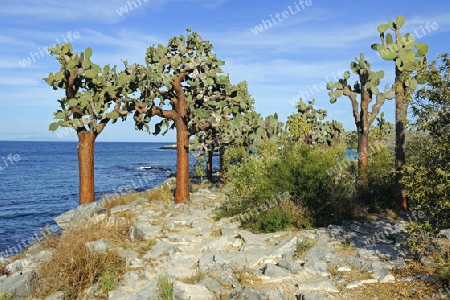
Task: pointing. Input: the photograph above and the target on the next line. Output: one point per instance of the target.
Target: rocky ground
(209, 259)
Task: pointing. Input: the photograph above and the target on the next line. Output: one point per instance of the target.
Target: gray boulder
(82, 212)
(20, 285)
(184, 291)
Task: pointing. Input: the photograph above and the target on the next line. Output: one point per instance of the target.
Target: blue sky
(302, 46)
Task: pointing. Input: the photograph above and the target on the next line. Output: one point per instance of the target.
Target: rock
(179, 265)
(78, 215)
(387, 252)
(181, 238)
(354, 284)
(201, 224)
(134, 262)
(159, 249)
(325, 285)
(149, 231)
(444, 233)
(271, 294)
(127, 253)
(149, 292)
(136, 233)
(223, 274)
(344, 268)
(231, 258)
(211, 285)
(206, 261)
(184, 291)
(250, 238)
(250, 294)
(316, 267)
(311, 296)
(102, 245)
(274, 271)
(58, 296)
(120, 208)
(289, 265)
(29, 263)
(285, 249)
(129, 279)
(255, 254)
(230, 232)
(214, 244)
(320, 253)
(20, 285)
(383, 275)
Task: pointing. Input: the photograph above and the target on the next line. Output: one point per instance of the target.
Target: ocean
(39, 180)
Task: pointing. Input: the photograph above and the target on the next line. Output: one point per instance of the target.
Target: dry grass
(303, 247)
(301, 215)
(74, 267)
(245, 277)
(194, 279)
(163, 192)
(143, 246)
(123, 200)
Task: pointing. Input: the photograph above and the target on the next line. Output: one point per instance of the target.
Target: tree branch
(380, 99)
(353, 99)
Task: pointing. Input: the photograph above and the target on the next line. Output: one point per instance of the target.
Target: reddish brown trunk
(401, 110)
(86, 141)
(209, 167)
(182, 184)
(363, 158)
(363, 138)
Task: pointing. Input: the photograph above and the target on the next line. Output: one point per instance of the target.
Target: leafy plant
(272, 221)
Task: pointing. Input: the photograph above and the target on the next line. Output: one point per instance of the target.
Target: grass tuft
(165, 284)
(303, 247)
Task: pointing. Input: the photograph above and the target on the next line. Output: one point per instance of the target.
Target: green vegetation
(303, 247)
(275, 177)
(165, 284)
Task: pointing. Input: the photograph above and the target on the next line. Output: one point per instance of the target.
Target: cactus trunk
(182, 184)
(401, 110)
(86, 141)
(363, 139)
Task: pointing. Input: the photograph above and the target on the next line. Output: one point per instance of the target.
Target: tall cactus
(408, 56)
(217, 131)
(366, 87)
(175, 84)
(93, 98)
(307, 126)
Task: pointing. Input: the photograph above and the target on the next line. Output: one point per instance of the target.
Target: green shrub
(272, 221)
(299, 170)
(381, 190)
(427, 178)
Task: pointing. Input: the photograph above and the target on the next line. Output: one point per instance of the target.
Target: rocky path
(209, 259)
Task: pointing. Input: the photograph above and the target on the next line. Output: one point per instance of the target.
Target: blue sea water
(39, 180)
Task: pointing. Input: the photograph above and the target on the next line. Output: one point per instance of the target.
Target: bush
(303, 173)
(426, 178)
(381, 190)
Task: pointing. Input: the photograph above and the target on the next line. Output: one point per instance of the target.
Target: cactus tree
(93, 98)
(408, 56)
(216, 132)
(176, 82)
(366, 87)
(307, 125)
